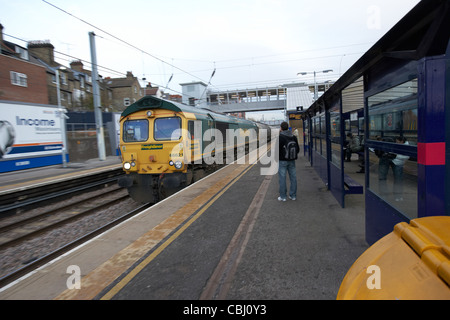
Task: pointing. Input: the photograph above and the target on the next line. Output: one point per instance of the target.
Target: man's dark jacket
(285, 137)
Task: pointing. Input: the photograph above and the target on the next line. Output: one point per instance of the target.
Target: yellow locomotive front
(152, 153)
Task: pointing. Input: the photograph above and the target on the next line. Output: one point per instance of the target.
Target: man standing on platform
(289, 149)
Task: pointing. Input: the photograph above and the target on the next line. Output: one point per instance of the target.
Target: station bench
(352, 187)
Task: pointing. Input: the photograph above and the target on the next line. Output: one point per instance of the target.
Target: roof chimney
(42, 50)
(77, 65)
(1, 33)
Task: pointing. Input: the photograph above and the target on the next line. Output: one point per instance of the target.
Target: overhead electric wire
(292, 53)
(277, 62)
(99, 66)
(73, 57)
(191, 72)
(123, 41)
(272, 55)
(220, 88)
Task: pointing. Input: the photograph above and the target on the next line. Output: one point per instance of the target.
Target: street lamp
(62, 116)
(316, 94)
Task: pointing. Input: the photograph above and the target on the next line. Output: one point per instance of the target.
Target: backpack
(290, 150)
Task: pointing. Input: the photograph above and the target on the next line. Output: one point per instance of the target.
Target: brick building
(29, 75)
(75, 84)
(125, 91)
(83, 90)
(22, 77)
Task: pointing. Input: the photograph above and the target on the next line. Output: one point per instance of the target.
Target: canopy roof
(424, 31)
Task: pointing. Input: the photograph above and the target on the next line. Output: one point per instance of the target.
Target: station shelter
(396, 99)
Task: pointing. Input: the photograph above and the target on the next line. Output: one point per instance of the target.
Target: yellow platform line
(100, 278)
(151, 257)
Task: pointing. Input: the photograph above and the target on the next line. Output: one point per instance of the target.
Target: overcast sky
(250, 43)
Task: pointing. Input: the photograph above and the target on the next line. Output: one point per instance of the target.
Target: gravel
(19, 255)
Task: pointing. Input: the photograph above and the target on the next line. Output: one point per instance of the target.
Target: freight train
(166, 146)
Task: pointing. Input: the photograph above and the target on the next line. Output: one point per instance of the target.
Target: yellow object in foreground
(411, 263)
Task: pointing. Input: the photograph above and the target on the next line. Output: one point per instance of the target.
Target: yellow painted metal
(411, 263)
(152, 156)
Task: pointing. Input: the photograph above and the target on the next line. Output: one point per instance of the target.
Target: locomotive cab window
(167, 129)
(135, 130)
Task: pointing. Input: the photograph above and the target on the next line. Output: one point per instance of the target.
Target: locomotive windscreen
(167, 129)
(135, 130)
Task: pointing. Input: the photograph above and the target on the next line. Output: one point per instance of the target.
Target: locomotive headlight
(133, 164)
(171, 163)
(127, 166)
(178, 164)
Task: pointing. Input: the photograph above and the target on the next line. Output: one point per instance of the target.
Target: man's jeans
(284, 167)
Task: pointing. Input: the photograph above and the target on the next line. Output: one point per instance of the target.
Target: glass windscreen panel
(168, 129)
(135, 130)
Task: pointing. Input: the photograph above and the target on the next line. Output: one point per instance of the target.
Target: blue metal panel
(320, 165)
(447, 126)
(336, 185)
(380, 218)
(432, 100)
(431, 197)
(431, 130)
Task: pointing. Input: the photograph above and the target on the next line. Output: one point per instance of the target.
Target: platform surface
(225, 237)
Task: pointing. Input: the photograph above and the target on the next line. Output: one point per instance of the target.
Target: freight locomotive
(166, 146)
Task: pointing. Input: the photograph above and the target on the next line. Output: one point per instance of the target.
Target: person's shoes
(281, 199)
(292, 198)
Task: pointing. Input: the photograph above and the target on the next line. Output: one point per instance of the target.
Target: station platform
(10, 181)
(226, 237)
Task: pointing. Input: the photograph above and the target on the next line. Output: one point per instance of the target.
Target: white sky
(251, 43)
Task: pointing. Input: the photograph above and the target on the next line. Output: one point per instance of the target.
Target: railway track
(35, 232)
(20, 198)
(34, 225)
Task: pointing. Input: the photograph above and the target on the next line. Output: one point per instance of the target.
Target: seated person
(353, 146)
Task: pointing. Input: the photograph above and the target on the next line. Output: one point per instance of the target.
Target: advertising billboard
(30, 136)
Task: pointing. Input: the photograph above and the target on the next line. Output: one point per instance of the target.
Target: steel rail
(64, 219)
(5, 280)
(49, 193)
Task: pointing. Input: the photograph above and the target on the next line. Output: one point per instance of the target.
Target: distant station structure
(283, 97)
(194, 94)
(288, 97)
